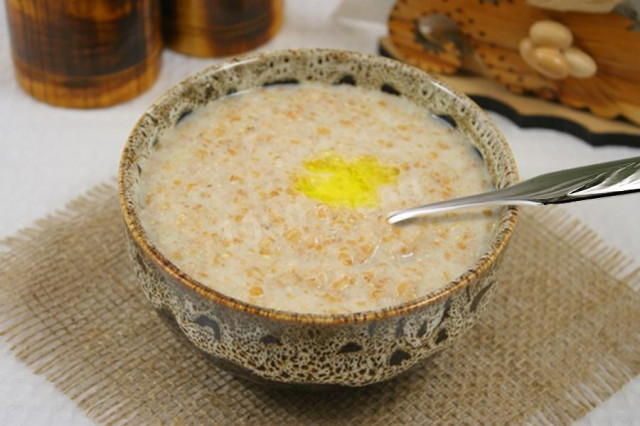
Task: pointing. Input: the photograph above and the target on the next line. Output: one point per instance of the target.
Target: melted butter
(338, 182)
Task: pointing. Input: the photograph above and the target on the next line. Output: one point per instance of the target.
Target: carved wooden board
(528, 111)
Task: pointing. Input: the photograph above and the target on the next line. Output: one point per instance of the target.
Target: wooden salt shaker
(213, 28)
(85, 53)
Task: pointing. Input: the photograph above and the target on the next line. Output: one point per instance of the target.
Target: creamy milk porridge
(279, 196)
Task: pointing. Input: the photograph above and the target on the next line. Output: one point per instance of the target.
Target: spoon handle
(565, 186)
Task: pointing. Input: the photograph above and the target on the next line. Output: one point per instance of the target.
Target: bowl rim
(483, 263)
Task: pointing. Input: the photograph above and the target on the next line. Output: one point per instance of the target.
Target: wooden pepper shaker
(212, 28)
(85, 53)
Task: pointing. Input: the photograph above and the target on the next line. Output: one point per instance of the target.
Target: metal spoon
(565, 186)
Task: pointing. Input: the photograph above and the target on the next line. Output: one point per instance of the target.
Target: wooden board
(528, 111)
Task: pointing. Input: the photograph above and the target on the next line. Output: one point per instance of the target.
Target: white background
(50, 155)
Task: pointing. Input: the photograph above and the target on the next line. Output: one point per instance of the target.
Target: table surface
(51, 155)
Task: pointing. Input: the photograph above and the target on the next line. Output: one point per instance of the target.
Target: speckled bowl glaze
(304, 349)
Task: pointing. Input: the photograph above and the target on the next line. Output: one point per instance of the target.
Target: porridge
(279, 196)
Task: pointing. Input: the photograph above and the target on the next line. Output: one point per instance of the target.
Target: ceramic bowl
(304, 349)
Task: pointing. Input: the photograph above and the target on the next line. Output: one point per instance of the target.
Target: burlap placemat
(562, 334)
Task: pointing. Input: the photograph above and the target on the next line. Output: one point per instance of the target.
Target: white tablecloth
(50, 155)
